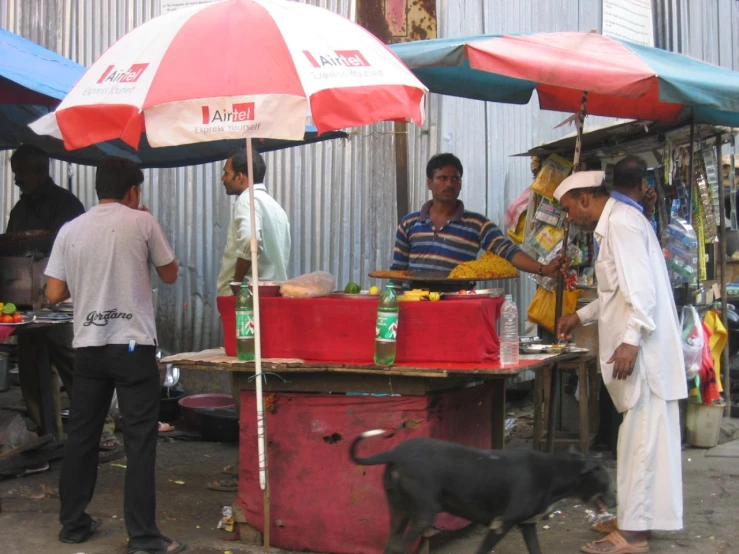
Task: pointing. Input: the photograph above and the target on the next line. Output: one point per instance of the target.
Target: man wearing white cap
(641, 360)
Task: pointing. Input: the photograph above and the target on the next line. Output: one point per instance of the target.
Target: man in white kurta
(640, 356)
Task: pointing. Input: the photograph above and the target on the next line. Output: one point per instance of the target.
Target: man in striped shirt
(443, 234)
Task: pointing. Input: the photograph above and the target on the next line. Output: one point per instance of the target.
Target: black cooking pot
(218, 424)
(169, 409)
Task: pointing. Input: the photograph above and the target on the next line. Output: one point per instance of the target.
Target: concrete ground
(189, 511)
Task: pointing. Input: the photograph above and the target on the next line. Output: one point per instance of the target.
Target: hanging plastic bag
(543, 304)
(691, 332)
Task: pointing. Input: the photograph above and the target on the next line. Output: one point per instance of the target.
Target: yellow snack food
(489, 266)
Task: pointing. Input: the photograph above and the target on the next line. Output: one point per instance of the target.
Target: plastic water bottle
(386, 328)
(245, 324)
(509, 332)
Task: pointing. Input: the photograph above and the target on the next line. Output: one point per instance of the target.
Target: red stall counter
(343, 330)
(320, 500)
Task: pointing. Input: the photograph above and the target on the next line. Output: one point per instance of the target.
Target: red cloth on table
(5, 332)
(343, 330)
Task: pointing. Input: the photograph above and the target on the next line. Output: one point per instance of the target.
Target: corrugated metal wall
(340, 196)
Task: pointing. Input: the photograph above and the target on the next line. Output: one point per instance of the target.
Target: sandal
(608, 526)
(231, 471)
(224, 485)
(615, 543)
(108, 441)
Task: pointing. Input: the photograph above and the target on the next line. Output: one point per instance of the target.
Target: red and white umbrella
(237, 69)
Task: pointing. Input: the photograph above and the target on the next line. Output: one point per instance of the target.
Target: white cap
(580, 180)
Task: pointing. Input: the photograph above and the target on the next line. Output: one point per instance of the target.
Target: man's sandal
(614, 543)
(608, 526)
(224, 485)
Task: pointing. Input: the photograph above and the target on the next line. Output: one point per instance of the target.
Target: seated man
(443, 234)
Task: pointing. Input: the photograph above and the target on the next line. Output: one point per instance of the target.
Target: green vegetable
(352, 288)
(9, 309)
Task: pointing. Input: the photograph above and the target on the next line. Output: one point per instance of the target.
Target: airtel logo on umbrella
(345, 58)
(130, 75)
(243, 111)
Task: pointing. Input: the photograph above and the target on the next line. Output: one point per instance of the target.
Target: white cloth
(273, 239)
(635, 306)
(650, 487)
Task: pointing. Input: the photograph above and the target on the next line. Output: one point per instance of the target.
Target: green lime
(352, 288)
(9, 309)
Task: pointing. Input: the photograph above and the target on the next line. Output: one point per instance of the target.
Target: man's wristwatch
(541, 269)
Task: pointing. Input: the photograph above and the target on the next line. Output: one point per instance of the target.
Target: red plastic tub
(211, 400)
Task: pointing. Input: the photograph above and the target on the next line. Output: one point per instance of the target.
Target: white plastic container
(509, 332)
(703, 424)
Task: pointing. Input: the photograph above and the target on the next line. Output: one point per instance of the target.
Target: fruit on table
(434, 296)
(9, 309)
(6, 319)
(352, 288)
(2, 305)
(374, 289)
(17, 318)
(416, 294)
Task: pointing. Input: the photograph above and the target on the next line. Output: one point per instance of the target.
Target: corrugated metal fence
(340, 196)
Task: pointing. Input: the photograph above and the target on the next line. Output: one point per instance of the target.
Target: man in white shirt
(273, 242)
(640, 356)
(272, 225)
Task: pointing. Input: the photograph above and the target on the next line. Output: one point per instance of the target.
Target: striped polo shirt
(419, 246)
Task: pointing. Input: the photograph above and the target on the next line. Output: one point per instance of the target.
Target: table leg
(46, 392)
(498, 414)
(552, 407)
(584, 384)
(539, 379)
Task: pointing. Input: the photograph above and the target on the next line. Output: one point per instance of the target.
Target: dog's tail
(377, 459)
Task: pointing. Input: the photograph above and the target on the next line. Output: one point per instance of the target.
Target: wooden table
(403, 379)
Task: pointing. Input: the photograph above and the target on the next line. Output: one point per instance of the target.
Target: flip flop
(165, 427)
(618, 545)
(94, 526)
(231, 471)
(224, 485)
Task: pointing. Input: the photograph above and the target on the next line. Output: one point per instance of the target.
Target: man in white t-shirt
(273, 240)
(103, 259)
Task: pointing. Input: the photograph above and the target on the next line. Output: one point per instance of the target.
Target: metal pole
(722, 262)
(690, 171)
(561, 284)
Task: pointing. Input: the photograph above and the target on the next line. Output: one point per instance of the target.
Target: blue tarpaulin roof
(33, 80)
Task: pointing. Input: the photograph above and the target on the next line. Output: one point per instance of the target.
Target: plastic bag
(691, 327)
(542, 307)
(309, 285)
(553, 172)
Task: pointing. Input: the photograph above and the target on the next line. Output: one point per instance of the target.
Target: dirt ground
(189, 511)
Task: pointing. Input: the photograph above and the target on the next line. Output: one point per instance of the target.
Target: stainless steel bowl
(266, 288)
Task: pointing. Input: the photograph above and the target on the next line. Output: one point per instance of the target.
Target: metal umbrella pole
(554, 377)
(261, 423)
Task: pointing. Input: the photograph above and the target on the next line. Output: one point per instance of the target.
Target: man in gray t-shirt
(103, 261)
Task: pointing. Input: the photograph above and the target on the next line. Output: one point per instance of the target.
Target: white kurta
(273, 239)
(635, 306)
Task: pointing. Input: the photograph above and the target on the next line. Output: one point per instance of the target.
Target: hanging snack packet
(553, 171)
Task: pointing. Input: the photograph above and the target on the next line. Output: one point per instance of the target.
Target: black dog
(496, 488)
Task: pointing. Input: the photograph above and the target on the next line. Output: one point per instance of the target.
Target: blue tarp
(29, 71)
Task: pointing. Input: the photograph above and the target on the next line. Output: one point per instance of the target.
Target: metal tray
(364, 295)
(489, 293)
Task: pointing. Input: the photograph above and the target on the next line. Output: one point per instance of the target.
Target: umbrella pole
(554, 377)
(261, 423)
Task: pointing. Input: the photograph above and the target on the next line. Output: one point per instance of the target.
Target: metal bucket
(4, 380)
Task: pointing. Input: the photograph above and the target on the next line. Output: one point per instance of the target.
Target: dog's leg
(529, 536)
(498, 530)
(399, 520)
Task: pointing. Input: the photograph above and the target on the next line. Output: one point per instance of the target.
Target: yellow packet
(553, 172)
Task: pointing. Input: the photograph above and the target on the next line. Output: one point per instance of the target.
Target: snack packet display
(553, 171)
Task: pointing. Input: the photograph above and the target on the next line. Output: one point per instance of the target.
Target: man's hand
(566, 325)
(556, 266)
(624, 360)
(650, 199)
